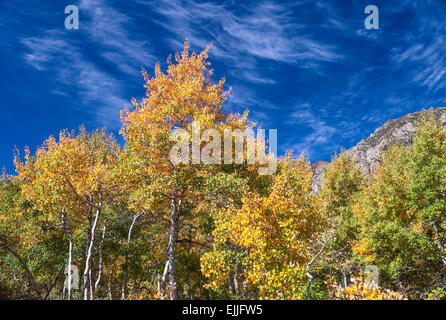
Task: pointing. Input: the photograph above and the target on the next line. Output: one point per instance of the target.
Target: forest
(85, 218)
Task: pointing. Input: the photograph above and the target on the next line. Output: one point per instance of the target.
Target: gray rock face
(366, 153)
(318, 170)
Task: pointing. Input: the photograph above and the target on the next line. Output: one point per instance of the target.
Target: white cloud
(319, 138)
(424, 52)
(266, 31)
(109, 28)
(81, 77)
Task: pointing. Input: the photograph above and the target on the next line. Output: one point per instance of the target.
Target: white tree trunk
(169, 269)
(100, 266)
(110, 279)
(439, 245)
(89, 254)
(70, 262)
(129, 241)
(70, 255)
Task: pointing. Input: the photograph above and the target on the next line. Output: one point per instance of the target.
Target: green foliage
(436, 294)
(402, 212)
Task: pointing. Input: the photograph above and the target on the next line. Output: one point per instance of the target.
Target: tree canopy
(86, 218)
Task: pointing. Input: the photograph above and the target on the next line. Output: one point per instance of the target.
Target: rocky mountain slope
(366, 153)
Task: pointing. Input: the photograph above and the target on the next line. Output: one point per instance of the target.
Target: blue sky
(308, 68)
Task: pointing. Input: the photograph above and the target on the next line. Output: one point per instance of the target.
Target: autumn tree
(342, 182)
(402, 213)
(166, 191)
(427, 186)
(12, 238)
(360, 289)
(31, 248)
(267, 241)
(69, 181)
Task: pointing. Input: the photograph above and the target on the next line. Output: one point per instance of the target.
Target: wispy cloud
(76, 76)
(428, 61)
(43, 50)
(424, 52)
(252, 41)
(320, 135)
(83, 78)
(267, 31)
(109, 28)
